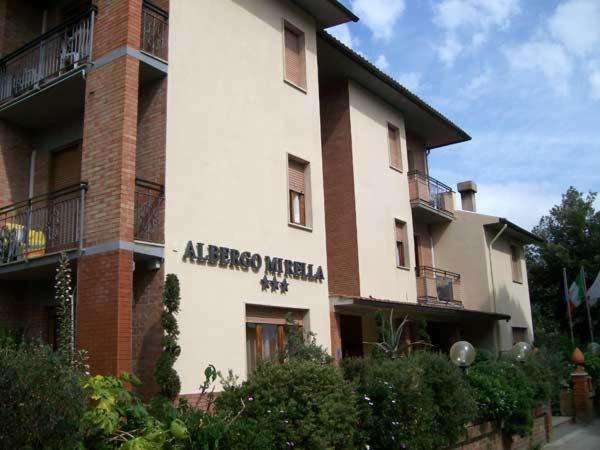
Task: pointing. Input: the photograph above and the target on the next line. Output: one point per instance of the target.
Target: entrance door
(351, 334)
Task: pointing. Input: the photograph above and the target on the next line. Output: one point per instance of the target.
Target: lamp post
(520, 351)
(462, 354)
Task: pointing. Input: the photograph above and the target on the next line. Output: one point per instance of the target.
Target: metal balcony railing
(155, 31)
(438, 285)
(424, 188)
(42, 225)
(48, 57)
(149, 212)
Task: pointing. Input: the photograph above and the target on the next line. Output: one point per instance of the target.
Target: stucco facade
(464, 247)
(381, 198)
(226, 169)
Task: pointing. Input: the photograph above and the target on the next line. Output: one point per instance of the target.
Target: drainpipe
(496, 327)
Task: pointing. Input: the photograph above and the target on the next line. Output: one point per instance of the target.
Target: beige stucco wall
(231, 123)
(462, 246)
(381, 197)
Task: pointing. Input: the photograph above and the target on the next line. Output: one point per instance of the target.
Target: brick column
(105, 274)
(582, 389)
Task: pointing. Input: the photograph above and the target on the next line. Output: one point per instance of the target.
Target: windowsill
(396, 169)
(300, 226)
(517, 282)
(403, 268)
(297, 86)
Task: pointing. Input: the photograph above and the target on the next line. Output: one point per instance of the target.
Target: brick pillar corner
(336, 338)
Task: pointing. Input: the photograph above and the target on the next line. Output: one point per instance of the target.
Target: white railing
(51, 55)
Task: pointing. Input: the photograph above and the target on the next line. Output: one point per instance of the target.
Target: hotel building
(239, 146)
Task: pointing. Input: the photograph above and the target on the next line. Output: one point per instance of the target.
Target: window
(394, 147)
(265, 333)
(297, 187)
(519, 334)
(515, 260)
(401, 244)
(294, 56)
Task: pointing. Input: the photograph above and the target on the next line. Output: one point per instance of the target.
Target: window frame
(516, 263)
(305, 198)
(391, 128)
(405, 252)
(288, 26)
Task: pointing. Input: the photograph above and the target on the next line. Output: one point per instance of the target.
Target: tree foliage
(165, 374)
(571, 231)
(63, 295)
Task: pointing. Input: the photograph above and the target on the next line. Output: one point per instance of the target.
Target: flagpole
(587, 305)
(568, 305)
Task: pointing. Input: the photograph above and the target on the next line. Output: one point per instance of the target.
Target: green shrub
(504, 393)
(592, 366)
(301, 404)
(302, 346)
(546, 372)
(41, 399)
(411, 402)
(165, 374)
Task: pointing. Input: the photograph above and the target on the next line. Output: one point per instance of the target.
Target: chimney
(467, 190)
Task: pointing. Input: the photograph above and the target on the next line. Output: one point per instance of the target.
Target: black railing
(42, 225)
(155, 31)
(51, 55)
(437, 284)
(149, 212)
(424, 188)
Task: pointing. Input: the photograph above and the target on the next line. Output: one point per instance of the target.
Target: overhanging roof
(328, 13)
(515, 231)
(336, 61)
(429, 312)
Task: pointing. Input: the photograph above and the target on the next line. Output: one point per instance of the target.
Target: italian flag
(577, 292)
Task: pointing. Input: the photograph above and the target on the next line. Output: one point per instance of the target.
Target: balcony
(43, 225)
(432, 201)
(435, 286)
(47, 69)
(149, 224)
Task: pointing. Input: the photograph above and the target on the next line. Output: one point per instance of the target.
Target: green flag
(577, 291)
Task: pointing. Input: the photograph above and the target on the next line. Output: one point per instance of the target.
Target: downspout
(496, 327)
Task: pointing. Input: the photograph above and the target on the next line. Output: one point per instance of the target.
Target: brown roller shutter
(296, 177)
(65, 168)
(295, 67)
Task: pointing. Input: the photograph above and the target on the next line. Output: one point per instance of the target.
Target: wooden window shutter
(401, 243)
(295, 65)
(394, 147)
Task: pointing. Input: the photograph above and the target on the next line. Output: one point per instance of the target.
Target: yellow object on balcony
(36, 240)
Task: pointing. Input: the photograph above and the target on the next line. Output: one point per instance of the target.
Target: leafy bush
(301, 404)
(411, 402)
(301, 346)
(592, 366)
(546, 372)
(41, 399)
(504, 393)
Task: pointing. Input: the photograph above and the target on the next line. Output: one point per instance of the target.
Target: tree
(63, 294)
(571, 232)
(165, 374)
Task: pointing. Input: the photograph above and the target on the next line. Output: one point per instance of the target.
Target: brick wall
(338, 175)
(151, 139)
(119, 24)
(109, 147)
(336, 337)
(147, 328)
(104, 310)
(15, 151)
(20, 22)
